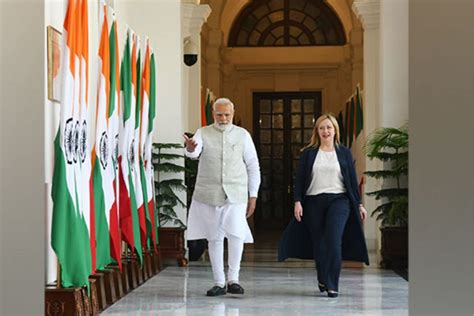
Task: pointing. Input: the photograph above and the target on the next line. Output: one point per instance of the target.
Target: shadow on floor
(402, 272)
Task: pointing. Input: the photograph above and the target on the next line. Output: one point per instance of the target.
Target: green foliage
(390, 145)
(166, 197)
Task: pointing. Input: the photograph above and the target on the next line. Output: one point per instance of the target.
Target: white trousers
(216, 254)
(215, 223)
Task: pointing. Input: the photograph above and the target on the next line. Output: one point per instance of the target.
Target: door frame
(286, 96)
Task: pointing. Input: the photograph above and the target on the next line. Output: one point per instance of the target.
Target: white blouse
(326, 176)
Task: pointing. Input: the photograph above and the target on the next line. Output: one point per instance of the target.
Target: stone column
(194, 17)
(368, 12)
(393, 62)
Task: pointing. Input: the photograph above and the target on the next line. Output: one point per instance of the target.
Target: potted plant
(390, 145)
(171, 239)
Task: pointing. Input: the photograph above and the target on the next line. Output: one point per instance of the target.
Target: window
(287, 23)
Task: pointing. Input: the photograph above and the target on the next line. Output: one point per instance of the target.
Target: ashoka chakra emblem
(131, 155)
(104, 150)
(76, 141)
(69, 141)
(83, 142)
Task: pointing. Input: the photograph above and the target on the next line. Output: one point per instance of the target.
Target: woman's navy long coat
(296, 240)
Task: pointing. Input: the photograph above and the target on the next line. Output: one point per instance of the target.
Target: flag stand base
(109, 282)
(125, 278)
(117, 275)
(132, 277)
(67, 301)
(106, 287)
(100, 290)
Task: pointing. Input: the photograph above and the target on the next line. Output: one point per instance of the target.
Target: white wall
(160, 20)
(22, 203)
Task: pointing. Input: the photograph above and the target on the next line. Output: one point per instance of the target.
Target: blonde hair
(315, 141)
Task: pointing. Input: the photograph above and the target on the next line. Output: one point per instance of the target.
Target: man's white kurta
(228, 174)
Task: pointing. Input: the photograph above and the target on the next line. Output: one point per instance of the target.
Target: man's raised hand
(190, 143)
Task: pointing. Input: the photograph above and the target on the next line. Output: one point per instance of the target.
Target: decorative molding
(368, 12)
(194, 16)
(284, 68)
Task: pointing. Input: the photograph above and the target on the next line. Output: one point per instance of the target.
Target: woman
(328, 210)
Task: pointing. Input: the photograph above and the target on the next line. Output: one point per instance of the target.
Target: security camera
(190, 53)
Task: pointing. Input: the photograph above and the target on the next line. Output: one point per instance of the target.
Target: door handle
(289, 189)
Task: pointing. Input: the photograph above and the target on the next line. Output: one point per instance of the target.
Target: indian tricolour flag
(145, 87)
(69, 235)
(113, 117)
(206, 109)
(137, 153)
(103, 169)
(148, 115)
(145, 94)
(85, 140)
(129, 223)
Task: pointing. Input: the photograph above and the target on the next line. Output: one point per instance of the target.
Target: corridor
(271, 288)
(269, 291)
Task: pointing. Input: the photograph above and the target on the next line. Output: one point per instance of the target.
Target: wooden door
(283, 123)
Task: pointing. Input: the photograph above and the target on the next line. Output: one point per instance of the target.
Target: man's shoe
(216, 291)
(235, 288)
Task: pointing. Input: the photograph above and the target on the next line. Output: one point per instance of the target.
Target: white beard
(222, 127)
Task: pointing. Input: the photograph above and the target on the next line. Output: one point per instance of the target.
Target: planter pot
(394, 247)
(196, 248)
(171, 241)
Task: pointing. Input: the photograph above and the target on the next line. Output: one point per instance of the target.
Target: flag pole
(58, 276)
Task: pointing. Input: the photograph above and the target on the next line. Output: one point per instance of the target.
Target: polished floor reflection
(269, 290)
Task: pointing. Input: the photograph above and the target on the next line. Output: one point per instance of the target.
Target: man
(225, 194)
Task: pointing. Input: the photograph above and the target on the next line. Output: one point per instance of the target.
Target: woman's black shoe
(216, 291)
(322, 287)
(332, 293)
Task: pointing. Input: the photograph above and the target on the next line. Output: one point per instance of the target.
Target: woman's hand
(362, 212)
(298, 211)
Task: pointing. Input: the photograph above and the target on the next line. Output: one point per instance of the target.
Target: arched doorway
(272, 50)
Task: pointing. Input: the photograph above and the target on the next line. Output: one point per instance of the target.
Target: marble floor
(271, 288)
(268, 291)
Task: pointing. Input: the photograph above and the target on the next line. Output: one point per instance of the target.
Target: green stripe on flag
(101, 226)
(136, 221)
(152, 110)
(125, 80)
(350, 132)
(359, 113)
(139, 95)
(209, 118)
(69, 234)
(113, 77)
(145, 204)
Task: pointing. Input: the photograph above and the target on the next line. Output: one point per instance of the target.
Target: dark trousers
(326, 215)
